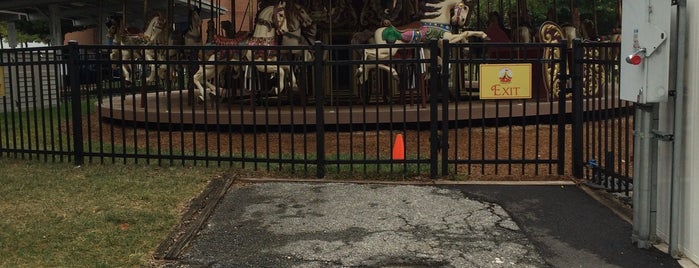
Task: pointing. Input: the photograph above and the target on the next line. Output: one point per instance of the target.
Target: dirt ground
(529, 145)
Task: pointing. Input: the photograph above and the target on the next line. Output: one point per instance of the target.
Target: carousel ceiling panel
(86, 12)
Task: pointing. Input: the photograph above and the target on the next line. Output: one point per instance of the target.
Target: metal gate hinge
(663, 136)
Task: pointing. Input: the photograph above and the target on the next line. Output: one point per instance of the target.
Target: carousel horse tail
(391, 34)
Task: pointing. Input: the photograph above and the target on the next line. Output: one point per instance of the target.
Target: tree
(25, 33)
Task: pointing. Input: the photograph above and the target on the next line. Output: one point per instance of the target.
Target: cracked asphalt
(371, 225)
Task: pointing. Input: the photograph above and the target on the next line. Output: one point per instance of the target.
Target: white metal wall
(689, 208)
(689, 218)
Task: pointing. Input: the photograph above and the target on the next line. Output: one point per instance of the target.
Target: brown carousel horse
(270, 23)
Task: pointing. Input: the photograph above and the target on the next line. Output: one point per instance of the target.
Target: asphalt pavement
(287, 224)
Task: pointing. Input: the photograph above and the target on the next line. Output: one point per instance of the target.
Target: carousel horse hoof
(359, 73)
(199, 94)
(276, 90)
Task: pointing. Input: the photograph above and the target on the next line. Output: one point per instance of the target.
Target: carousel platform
(174, 108)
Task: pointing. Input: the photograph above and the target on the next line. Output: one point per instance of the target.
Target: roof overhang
(88, 12)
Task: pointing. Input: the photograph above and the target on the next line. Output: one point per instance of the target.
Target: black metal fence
(603, 123)
(337, 111)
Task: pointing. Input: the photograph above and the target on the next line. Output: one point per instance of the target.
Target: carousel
(220, 70)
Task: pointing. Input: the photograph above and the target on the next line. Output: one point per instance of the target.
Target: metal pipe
(644, 172)
(678, 124)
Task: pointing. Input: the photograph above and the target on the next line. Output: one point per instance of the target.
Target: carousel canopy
(87, 12)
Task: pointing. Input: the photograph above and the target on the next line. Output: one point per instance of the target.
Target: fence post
(434, 94)
(577, 71)
(320, 111)
(563, 76)
(446, 76)
(76, 107)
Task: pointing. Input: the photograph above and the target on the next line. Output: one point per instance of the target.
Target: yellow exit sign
(505, 81)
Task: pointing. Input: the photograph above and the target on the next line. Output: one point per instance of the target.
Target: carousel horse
(434, 25)
(192, 37)
(166, 38)
(570, 30)
(209, 72)
(270, 23)
(147, 38)
(301, 31)
(522, 32)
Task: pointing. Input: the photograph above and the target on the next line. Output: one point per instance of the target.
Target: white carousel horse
(148, 37)
(192, 37)
(435, 25)
(270, 22)
(209, 72)
(265, 34)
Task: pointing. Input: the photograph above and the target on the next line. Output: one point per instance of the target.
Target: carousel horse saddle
(414, 32)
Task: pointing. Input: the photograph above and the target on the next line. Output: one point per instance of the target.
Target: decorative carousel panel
(550, 32)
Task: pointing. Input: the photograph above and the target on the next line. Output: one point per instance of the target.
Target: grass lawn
(58, 215)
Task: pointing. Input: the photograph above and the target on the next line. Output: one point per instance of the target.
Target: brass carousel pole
(145, 13)
(488, 7)
(618, 14)
(123, 16)
(251, 20)
(571, 6)
(144, 85)
(170, 12)
(594, 12)
(233, 17)
(478, 16)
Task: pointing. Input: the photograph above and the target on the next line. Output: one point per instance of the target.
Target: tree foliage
(26, 32)
(605, 10)
(38, 30)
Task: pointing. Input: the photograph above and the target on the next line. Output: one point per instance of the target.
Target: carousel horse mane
(428, 9)
(130, 35)
(299, 20)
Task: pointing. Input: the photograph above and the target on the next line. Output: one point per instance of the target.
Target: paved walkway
(361, 225)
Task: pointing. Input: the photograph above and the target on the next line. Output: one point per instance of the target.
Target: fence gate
(507, 135)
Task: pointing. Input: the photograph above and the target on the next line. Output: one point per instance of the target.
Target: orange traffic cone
(398, 150)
